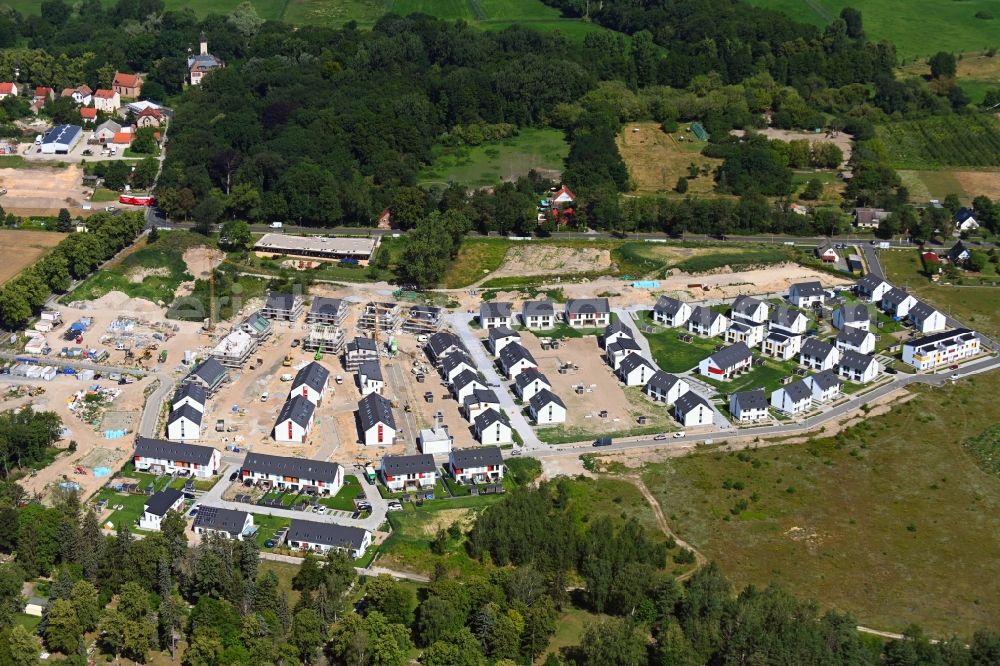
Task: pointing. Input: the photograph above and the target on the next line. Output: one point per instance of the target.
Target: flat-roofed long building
(941, 348)
(325, 248)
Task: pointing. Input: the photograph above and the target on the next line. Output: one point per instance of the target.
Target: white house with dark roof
(493, 427)
(671, 312)
(292, 474)
(515, 359)
(295, 420)
(804, 294)
(210, 374)
(162, 457)
(327, 311)
(872, 288)
(190, 394)
(706, 322)
(226, 523)
(493, 314)
(311, 535)
(634, 370)
(378, 427)
(748, 310)
(370, 379)
(727, 362)
(787, 321)
(793, 398)
(781, 345)
(616, 351)
(466, 383)
(856, 340)
(157, 506)
(692, 410)
(941, 349)
(588, 312)
(858, 368)
(184, 424)
(480, 401)
(546, 408)
(827, 253)
(897, 303)
(818, 355)
(965, 220)
(538, 315)
(824, 386)
(926, 319)
(409, 472)
(958, 254)
(749, 406)
(855, 315)
(530, 382)
(616, 331)
(750, 334)
(286, 307)
(665, 387)
(501, 336)
(479, 465)
(455, 364)
(442, 344)
(311, 383)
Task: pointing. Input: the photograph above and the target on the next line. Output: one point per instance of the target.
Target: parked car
(235, 475)
(678, 434)
(603, 441)
(269, 543)
(395, 506)
(660, 437)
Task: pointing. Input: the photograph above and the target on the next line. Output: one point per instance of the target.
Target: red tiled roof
(6, 88)
(122, 137)
(88, 112)
(43, 91)
(150, 112)
(127, 80)
(104, 93)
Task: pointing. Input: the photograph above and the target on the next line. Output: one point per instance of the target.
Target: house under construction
(326, 339)
(384, 317)
(422, 319)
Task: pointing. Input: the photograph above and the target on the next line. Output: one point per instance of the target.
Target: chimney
(203, 44)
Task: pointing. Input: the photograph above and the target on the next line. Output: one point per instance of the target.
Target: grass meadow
(477, 166)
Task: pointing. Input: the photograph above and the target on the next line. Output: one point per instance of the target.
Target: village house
(858, 368)
(8, 89)
(787, 321)
(158, 456)
(538, 315)
(824, 386)
(296, 475)
(749, 406)
(479, 401)
(869, 218)
(482, 465)
(106, 100)
(149, 118)
(370, 378)
(184, 424)
(493, 427)
(359, 350)
(81, 95)
(856, 316)
(442, 344)
(295, 420)
(818, 355)
(157, 507)
(42, 96)
(727, 362)
(588, 312)
(327, 311)
(204, 63)
(414, 472)
(455, 364)
(958, 254)
(926, 319)
(88, 115)
(826, 252)
(616, 351)
(706, 322)
(546, 408)
(501, 336)
(310, 535)
(614, 332)
(226, 523)
(127, 85)
(855, 339)
(465, 384)
(940, 349)
(634, 370)
(749, 334)
(493, 314)
(563, 196)
(965, 221)
(106, 131)
(897, 303)
(692, 410)
(665, 387)
(805, 294)
(378, 427)
(311, 383)
(671, 311)
(529, 382)
(793, 398)
(286, 307)
(748, 310)
(781, 345)
(514, 359)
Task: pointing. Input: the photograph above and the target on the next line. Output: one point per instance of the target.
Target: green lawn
(885, 521)
(767, 376)
(942, 141)
(102, 195)
(478, 166)
(671, 354)
(267, 525)
(29, 622)
(344, 500)
(477, 257)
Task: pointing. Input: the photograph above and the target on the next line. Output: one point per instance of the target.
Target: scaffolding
(326, 339)
(422, 319)
(380, 317)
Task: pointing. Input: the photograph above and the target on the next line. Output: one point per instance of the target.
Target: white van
(276, 225)
(38, 140)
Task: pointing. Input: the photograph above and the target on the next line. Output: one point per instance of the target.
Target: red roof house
(122, 138)
(564, 195)
(88, 113)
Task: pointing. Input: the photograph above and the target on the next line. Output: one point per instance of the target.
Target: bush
(984, 14)
(684, 556)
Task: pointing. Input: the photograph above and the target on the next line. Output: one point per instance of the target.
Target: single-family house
(748, 310)
(856, 316)
(42, 96)
(88, 114)
(311, 382)
(190, 394)
(106, 131)
(226, 523)
(671, 311)
(538, 315)
(926, 319)
(818, 355)
(827, 252)
(749, 406)
(897, 303)
(634, 370)
(805, 294)
(149, 118)
(588, 312)
(781, 345)
(958, 254)
(616, 351)
(359, 350)
(940, 349)
(665, 387)
(692, 410)
(297, 475)
(159, 456)
(479, 401)
(184, 424)
(793, 398)
(480, 465)
(824, 386)
(442, 344)
(706, 322)
(750, 334)
(546, 408)
(869, 218)
(311, 535)
(514, 358)
(465, 383)
(529, 382)
(616, 331)
(157, 506)
(495, 314)
(409, 472)
(286, 307)
(563, 196)
(858, 368)
(501, 336)
(855, 339)
(370, 378)
(34, 606)
(872, 288)
(327, 311)
(106, 100)
(127, 85)
(727, 362)
(8, 89)
(295, 420)
(81, 95)
(493, 427)
(378, 427)
(787, 321)
(204, 63)
(965, 220)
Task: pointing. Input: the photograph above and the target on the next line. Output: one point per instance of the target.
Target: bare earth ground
(656, 159)
(552, 260)
(202, 260)
(44, 191)
(975, 183)
(843, 141)
(23, 248)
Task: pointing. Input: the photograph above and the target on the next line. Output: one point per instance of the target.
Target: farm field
(24, 248)
(477, 166)
(942, 141)
(655, 159)
(887, 526)
(954, 22)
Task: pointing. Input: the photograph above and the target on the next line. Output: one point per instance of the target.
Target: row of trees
(25, 435)
(75, 257)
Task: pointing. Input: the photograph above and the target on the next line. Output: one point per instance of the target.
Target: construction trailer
(325, 339)
(422, 319)
(376, 316)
